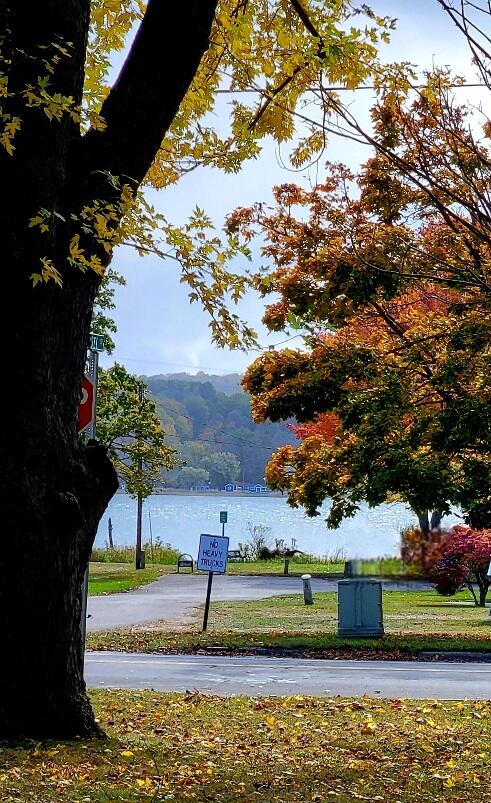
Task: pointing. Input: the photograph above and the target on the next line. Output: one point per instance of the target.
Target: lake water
(179, 520)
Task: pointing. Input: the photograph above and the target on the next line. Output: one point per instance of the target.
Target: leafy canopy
(389, 280)
(267, 58)
(129, 426)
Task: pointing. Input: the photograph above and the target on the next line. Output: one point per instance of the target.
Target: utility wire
(208, 367)
(240, 441)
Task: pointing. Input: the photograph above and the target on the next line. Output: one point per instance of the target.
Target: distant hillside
(228, 384)
(205, 422)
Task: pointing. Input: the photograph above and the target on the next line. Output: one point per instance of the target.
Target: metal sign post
(207, 602)
(212, 558)
(96, 345)
(223, 521)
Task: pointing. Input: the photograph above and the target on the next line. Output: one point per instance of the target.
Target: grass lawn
(389, 567)
(269, 750)
(411, 611)
(111, 578)
(414, 621)
(320, 567)
(276, 567)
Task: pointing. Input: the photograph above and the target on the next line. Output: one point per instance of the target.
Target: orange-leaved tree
(388, 273)
(392, 294)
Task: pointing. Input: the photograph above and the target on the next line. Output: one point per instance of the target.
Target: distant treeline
(214, 430)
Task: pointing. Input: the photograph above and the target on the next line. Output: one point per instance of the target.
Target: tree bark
(53, 489)
(424, 522)
(436, 520)
(483, 584)
(482, 597)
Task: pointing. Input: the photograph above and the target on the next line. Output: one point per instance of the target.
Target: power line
(240, 442)
(249, 445)
(208, 367)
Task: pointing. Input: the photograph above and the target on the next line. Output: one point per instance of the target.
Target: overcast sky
(159, 331)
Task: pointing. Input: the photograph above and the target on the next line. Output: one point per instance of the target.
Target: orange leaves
(326, 426)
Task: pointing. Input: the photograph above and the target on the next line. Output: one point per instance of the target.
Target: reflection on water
(179, 520)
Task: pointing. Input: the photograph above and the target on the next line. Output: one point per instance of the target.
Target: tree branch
(156, 75)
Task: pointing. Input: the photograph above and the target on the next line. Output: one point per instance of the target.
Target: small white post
(307, 589)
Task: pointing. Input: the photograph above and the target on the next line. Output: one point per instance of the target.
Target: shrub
(465, 563)
(423, 550)
(259, 535)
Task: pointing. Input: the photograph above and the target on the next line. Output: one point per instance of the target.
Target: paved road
(174, 597)
(284, 676)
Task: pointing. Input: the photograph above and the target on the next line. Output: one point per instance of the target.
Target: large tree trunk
(53, 489)
(49, 520)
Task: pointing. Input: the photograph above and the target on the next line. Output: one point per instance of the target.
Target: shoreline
(226, 494)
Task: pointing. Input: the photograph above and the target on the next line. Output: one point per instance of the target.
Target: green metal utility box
(360, 608)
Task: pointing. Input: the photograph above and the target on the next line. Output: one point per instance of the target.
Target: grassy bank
(113, 578)
(288, 750)
(298, 565)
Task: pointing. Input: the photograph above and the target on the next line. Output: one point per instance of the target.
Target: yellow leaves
(270, 720)
(284, 38)
(96, 121)
(127, 754)
(48, 273)
(77, 254)
(146, 784)
(368, 727)
(78, 259)
(39, 220)
(7, 143)
(11, 124)
(55, 105)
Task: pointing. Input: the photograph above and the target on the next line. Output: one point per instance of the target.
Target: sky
(159, 331)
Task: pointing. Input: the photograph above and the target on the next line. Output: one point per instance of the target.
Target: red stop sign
(86, 406)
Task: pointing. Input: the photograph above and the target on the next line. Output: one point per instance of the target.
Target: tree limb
(157, 73)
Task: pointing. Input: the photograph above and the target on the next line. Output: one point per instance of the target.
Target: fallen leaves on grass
(394, 646)
(194, 747)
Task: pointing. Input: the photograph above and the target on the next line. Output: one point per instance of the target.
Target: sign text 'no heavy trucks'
(212, 554)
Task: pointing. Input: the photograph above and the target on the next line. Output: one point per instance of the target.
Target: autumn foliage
(464, 564)
(423, 550)
(387, 279)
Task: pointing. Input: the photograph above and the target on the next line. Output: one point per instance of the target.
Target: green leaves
(128, 424)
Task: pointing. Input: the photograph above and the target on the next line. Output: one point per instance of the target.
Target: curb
(363, 655)
(460, 655)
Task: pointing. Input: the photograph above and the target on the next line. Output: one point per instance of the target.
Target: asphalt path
(253, 675)
(173, 598)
